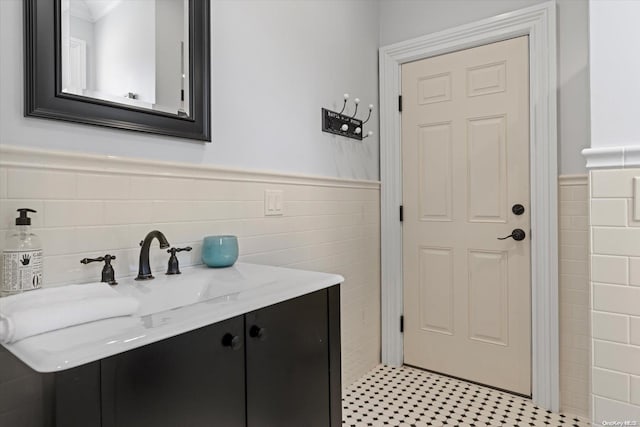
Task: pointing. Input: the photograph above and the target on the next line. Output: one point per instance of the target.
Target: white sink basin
(167, 292)
(169, 306)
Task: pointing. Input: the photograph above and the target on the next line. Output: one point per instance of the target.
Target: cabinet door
(288, 363)
(69, 398)
(191, 380)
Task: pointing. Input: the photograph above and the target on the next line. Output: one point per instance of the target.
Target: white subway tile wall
(615, 300)
(330, 226)
(90, 206)
(574, 294)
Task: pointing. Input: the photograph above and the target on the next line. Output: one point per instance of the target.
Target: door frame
(539, 23)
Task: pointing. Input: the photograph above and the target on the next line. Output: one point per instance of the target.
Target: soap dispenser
(21, 258)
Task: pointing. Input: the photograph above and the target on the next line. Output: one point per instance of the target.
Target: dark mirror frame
(43, 82)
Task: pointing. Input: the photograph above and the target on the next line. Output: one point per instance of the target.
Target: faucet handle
(172, 251)
(174, 265)
(107, 258)
(108, 274)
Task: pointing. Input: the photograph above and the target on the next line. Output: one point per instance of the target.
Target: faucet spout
(144, 269)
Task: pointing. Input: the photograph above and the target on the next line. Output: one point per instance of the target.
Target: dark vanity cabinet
(287, 357)
(188, 380)
(278, 366)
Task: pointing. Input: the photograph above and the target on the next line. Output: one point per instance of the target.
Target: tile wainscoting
(574, 308)
(92, 205)
(615, 300)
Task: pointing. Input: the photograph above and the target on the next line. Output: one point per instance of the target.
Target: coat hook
(341, 124)
(369, 116)
(356, 101)
(344, 104)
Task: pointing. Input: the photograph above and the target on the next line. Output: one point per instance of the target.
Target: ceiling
(92, 10)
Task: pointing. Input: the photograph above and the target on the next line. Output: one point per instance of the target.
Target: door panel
(487, 170)
(434, 151)
(436, 290)
(432, 89)
(465, 148)
(486, 79)
(488, 297)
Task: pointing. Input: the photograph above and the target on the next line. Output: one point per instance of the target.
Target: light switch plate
(273, 202)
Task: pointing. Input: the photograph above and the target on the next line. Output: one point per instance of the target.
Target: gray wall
(615, 67)
(274, 65)
(405, 19)
(276, 62)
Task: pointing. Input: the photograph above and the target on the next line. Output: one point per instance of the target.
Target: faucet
(144, 269)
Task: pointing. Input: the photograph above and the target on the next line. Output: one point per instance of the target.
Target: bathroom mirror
(133, 64)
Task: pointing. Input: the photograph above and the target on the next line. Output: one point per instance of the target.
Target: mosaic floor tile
(407, 396)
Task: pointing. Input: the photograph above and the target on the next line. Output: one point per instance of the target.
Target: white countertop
(170, 306)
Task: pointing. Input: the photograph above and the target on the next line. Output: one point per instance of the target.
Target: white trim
(627, 156)
(12, 156)
(539, 23)
(578, 179)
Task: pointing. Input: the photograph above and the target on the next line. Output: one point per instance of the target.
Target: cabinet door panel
(77, 396)
(287, 367)
(189, 380)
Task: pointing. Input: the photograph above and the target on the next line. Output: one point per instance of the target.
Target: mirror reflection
(131, 52)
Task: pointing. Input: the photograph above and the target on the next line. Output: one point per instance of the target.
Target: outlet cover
(273, 202)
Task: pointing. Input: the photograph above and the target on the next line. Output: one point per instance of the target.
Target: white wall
(573, 295)
(125, 51)
(615, 297)
(615, 67)
(274, 65)
(405, 19)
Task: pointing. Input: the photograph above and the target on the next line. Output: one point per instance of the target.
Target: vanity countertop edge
(78, 345)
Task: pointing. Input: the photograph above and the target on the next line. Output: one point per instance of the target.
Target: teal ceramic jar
(220, 251)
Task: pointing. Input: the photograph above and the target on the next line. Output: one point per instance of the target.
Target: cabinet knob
(232, 341)
(258, 332)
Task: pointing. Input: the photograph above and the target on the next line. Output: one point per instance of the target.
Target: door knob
(258, 332)
(232, 341)
(517, 234)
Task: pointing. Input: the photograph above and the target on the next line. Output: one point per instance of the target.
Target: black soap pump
(21, 258)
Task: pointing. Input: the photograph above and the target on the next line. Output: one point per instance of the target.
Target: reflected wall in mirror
(140, 65)
(127, 51)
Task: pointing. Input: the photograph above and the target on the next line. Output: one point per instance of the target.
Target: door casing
(539, 23)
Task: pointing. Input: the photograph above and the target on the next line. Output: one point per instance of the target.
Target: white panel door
(465, 151)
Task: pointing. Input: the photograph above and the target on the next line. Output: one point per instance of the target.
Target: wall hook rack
(341, 124)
